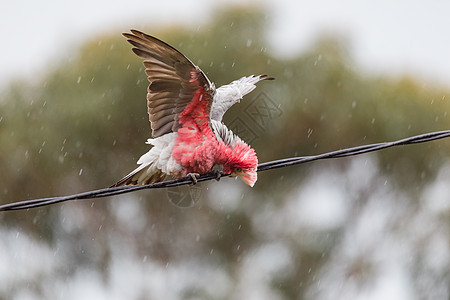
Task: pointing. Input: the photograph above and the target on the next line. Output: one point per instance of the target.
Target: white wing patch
(160, 155)
(228, 95)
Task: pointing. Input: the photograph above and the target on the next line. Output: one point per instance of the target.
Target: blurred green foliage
(84, 124)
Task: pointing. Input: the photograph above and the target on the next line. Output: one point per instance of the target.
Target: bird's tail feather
(145, 174)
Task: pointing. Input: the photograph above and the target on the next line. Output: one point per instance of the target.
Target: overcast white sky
(387, 36)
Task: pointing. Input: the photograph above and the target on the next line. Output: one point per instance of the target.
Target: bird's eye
(238, 169)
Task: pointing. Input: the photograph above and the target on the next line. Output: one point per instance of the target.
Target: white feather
(160, 156)
(227, 95)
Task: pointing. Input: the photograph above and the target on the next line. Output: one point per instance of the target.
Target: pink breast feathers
(195, 146)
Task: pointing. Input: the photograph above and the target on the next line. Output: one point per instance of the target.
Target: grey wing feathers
(224, 134)
(173, 78)
(246, 84)
(228, 95)
(141, 175)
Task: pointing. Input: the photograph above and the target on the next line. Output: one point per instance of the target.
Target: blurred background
(73, 118)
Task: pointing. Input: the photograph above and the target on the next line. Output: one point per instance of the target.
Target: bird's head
(242, 162)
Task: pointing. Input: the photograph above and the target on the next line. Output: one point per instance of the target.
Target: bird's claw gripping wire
(194, 177)
(218, 174)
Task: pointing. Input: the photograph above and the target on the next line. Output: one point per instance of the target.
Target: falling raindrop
(79, 79)
(319, 58)
(81, 172)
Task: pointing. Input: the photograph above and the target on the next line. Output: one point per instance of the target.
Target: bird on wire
(185, 111)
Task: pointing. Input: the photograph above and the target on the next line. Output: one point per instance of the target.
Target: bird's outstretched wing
(230, 94)
(174, 80)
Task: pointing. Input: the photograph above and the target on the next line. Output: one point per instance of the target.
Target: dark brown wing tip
(124, 181)
(137, 32)
(134, 33)
(266, 77)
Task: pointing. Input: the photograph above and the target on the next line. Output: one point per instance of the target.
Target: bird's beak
(249, 177)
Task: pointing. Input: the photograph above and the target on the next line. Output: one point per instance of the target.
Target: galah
(185, 111)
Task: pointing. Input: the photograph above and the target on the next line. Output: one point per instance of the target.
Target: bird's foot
(194, 177)
(218, 174)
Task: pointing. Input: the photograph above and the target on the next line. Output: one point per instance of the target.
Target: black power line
(281, 163)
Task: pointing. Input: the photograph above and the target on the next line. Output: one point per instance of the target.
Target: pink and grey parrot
(185, 111)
